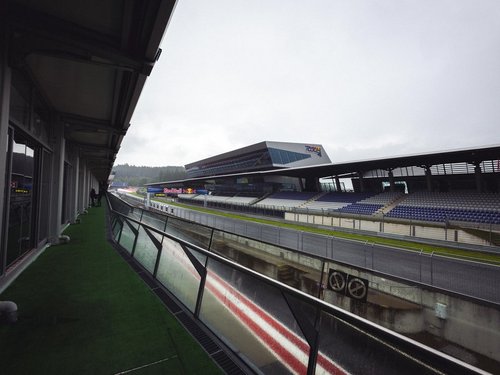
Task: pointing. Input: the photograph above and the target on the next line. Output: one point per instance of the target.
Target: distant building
(260, 157)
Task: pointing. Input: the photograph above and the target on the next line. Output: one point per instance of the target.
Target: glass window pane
(294, 269)
(20, 237)
(254, 319)
(155, 220)
(127, 237)
(145, 251)
(45, 188)
(190, 232)
(344, 346)
(177, 273)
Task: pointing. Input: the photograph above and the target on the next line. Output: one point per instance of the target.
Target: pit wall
(473, 326)
(407, 230)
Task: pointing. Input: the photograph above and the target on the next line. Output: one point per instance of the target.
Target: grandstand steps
(316, 197)
(492, 237)
(257, 200)
(495, 238)
(388, 207)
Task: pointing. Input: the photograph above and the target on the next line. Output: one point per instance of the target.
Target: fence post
(373, 255)
(420, 263)
(432, 270)
(491, 238)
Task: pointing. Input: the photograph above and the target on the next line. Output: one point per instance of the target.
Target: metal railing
(273, 327)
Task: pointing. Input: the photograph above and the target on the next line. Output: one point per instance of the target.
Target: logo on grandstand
(315, 149)
(172, 191)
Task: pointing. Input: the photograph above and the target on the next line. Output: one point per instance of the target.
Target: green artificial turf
(82, 310)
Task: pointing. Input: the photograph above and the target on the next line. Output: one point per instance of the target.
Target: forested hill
(140, 175)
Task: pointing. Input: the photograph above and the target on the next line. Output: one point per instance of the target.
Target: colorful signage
(155, 189)
(172, 190)
(314, 149)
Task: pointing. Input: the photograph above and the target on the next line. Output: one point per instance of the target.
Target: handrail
(412, 351)
(475, 299)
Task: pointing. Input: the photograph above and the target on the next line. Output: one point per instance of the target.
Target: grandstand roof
(261, 156)
(349, 169)
(470, 155)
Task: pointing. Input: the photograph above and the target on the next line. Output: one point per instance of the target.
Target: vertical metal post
(135, 242)
(373, 254)
(420, 263)
(432, 269)
(211, 239)
(331, 241)
(201, 289)
(491, 239)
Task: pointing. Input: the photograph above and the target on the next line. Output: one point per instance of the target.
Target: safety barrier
(273, 327)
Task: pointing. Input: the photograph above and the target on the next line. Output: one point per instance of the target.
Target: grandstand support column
(338, 187)
(478, 176)
(56, 198)
(428, 176)
(312, 184)
(5, 79)
(391, 180)
(361, 182)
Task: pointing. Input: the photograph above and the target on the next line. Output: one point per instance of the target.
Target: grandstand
(442, 187)
(286, 199)
(259, 157)
(464, 206)
(433, 207)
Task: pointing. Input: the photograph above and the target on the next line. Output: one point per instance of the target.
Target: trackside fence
(273, 327)
(469, 279)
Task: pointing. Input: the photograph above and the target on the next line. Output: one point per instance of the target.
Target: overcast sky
(366, 79)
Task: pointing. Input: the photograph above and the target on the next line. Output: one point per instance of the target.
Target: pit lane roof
(89, 60)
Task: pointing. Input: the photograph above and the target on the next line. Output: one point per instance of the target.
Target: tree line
(140, 175)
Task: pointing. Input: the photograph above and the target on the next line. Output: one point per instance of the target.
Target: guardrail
(280, 212)
(271, 326)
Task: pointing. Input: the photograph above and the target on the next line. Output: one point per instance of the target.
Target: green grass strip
(408, 245)
(83, 310)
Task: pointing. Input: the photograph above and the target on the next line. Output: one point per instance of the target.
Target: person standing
(92, 197)
(99, 195)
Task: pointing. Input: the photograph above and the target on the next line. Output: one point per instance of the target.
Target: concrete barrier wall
(465, 237)
(430, 232)
(461, 322)
(464, 323)
(411, 230)
(399, 229)
(373, 226)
